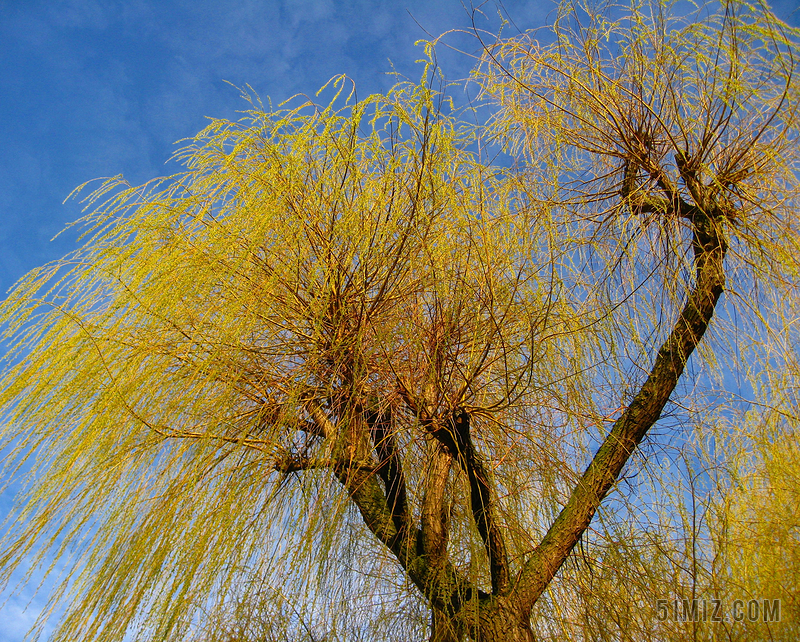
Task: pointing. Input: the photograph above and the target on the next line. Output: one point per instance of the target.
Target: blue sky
(93, 88)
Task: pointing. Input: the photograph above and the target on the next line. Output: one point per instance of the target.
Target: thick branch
(324, 426)
(709, 248)
(296, 463)
(456, 438)
(434, 514)
(486, 522)
(443, 585)
(389, 465)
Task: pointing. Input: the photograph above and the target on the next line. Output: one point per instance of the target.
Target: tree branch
(389, 465)
(709, 247)
(434, 514)
(446, 589)
(293, 464)
(442, 584)
(456, 439)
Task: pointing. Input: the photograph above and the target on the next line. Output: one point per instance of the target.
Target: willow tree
(345, 369)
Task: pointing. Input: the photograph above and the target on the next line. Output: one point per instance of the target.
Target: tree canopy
(369, 369)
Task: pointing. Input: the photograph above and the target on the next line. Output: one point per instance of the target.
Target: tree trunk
(500, 620)
(444, 628)
(492, 619)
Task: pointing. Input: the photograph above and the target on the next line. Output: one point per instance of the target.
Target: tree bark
(709, 248)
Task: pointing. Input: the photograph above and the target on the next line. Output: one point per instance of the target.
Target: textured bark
(434, 514)
(500, 618)
(709, 248)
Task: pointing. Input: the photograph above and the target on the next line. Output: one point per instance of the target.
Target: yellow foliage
(342, 359)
